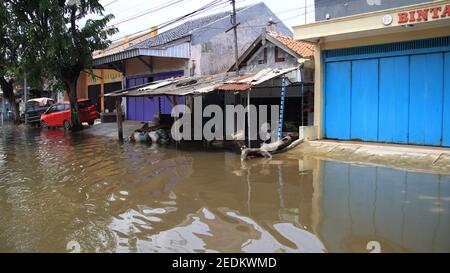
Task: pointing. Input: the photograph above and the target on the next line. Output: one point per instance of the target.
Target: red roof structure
(304, 49)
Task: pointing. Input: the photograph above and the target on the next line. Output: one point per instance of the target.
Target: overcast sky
(291, 12)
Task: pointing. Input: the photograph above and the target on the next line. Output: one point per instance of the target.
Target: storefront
(384, 76)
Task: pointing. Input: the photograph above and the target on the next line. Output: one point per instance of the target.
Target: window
(264, 61)
(60, 107)
(50, 102)
(51, 109)
(32, 105)
(277, 58)
(85, 104)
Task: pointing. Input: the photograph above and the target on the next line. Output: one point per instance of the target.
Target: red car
(58, 115)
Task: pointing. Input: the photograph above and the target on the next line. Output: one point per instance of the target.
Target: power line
(152, 10)
(275, 22)
(172, 21)
(191, 14)
(173, 2)
(208, 7)
(112, 2)
(160, 7)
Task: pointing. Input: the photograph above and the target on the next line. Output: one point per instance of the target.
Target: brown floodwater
(58, 188)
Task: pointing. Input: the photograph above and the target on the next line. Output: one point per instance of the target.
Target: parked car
(35, 108)
(59, 114)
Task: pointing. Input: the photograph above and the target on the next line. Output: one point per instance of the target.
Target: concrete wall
(253, 64)
(212, 50)
(341, 8)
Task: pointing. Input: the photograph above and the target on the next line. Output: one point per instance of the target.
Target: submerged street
(57, 188)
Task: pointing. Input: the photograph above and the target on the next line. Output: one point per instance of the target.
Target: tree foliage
(54, 43)
(10, 48)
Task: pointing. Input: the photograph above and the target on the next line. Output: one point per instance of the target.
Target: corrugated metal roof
(181, 51)
(241, 87)
(176, 87)
(181, 31)
(199, 85)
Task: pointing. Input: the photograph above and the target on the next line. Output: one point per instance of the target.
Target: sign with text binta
(424, 14)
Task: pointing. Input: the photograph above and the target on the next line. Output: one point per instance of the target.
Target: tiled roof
(180, 31)
(304, 49)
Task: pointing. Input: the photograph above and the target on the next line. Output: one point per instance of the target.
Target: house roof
(183, 86)
(297, 49)
(181, 31)
(148, 45)
(304, 49)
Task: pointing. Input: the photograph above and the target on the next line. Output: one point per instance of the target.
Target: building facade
(275, 51)
(383, 76)
(197, 47)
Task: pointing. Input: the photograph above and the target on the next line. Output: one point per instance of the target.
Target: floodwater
(58, 189)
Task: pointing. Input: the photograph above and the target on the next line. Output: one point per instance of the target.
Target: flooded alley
(57, 188)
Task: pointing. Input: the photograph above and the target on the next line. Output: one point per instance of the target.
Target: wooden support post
(102, 91)
(119, 117)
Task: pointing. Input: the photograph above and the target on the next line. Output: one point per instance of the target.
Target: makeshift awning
(184, 86)
(177, 51)
(246, 83)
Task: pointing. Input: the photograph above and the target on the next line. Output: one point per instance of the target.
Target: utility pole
(234, 27)
(306, 4)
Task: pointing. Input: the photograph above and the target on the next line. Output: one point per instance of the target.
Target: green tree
(57, 43)
(9, 57)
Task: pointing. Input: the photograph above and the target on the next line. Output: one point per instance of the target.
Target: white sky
(291, 12)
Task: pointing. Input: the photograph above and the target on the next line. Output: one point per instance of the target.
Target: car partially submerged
(35, 108)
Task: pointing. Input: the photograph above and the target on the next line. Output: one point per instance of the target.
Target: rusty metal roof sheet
(183, 86)
(247, 81)
(234, 87)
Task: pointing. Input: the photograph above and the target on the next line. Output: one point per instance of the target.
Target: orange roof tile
(304, 49)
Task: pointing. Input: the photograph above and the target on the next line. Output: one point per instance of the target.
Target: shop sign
(424, 14)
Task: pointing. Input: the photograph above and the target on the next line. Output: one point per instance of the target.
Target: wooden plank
(119, 117)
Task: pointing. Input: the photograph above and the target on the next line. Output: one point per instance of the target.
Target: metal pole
(236, 50)
(303, 104)
(248, 120)
(283, 97)
(25, 97)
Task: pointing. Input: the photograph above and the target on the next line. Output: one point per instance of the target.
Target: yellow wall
(82, 91)
(406, 35)
(108, 76)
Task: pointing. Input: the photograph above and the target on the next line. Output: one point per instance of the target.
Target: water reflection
(110, 197)
(405, 211)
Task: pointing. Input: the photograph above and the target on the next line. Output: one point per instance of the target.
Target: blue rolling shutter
(394, 95)
(364, 103)
(337, 100)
